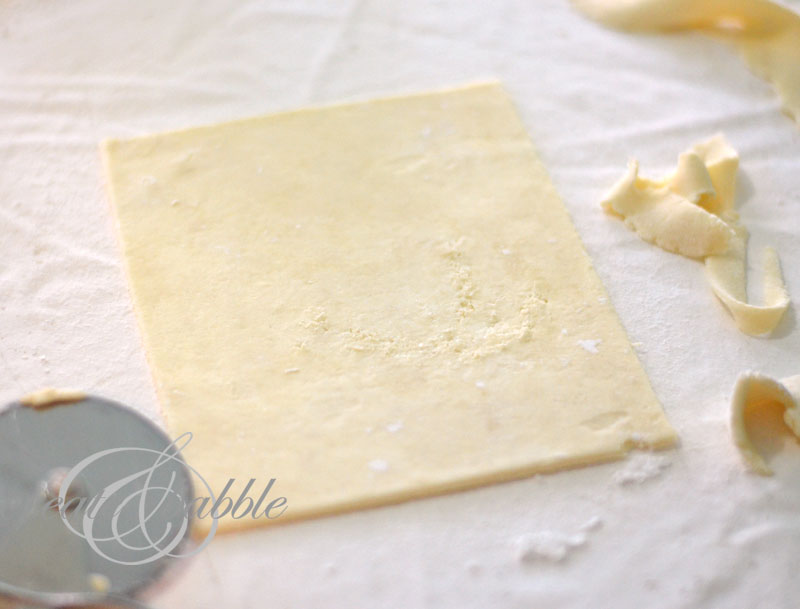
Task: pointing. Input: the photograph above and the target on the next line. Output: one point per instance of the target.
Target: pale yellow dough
(727, 274)
(766, 34)
(691, 212)
(372, 302)
(665, 218)
(754, 390)
(49, 396)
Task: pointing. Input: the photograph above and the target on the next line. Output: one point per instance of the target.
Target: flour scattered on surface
(590, 344)
(593, 524)
(640, 468)
(291, 370)
(330, 568)
(378, 465)
(394, 427)
(480, 385)
(554, 546)
(506, 252)
(759, 532)
(547, 546)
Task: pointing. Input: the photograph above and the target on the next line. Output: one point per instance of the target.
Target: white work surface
(702, 532)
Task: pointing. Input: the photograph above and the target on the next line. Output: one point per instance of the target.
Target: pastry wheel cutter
(93, 505)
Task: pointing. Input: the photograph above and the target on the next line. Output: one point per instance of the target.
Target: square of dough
(372, 302)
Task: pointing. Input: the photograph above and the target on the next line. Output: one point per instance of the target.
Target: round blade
(93, 501)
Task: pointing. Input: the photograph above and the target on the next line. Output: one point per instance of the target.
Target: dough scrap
(660, 215)
(727, 274)
(691, 212)
(50, 397)
(409, 261)
(753, 390)
(766, 34)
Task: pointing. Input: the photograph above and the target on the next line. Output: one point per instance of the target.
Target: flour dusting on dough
(590, 344)
(378, 465)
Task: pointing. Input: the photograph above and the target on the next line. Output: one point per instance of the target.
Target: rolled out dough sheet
(372, 302)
